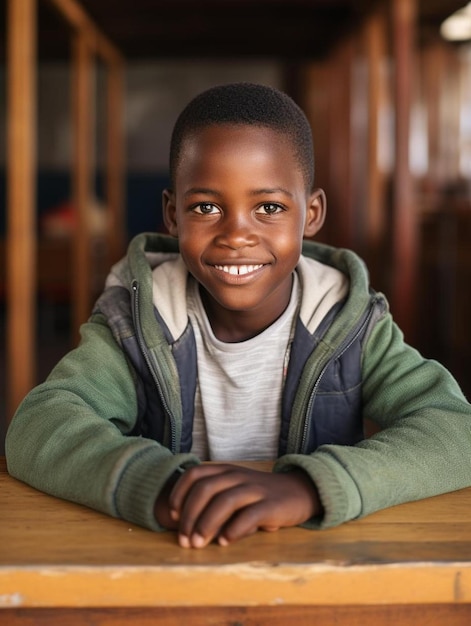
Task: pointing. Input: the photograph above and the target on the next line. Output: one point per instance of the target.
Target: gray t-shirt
(239, 386)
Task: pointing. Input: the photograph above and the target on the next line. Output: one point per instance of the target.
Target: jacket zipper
(143, 347)
(338, 353)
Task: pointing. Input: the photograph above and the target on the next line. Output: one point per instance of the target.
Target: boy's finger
(210, 502)
(232, 473)
(180, 490)
(215, 515)
(247, 521)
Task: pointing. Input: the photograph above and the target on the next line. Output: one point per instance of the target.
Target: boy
(223, 342)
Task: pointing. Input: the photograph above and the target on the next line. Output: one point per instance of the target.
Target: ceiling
(284, 29)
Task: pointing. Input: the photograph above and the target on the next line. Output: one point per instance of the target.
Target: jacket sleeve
(69, 435)
(424, 444)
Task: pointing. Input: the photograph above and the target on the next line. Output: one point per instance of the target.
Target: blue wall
(143, 204)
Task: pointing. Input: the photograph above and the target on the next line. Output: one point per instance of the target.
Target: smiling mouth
(238, 270)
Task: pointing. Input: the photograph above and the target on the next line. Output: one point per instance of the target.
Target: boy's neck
(236, 326)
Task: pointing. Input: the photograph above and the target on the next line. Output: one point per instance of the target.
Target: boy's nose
(236, 233)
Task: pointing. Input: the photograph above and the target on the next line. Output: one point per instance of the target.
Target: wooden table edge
(248, 584)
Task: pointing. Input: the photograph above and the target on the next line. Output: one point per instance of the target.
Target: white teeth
(238, 270)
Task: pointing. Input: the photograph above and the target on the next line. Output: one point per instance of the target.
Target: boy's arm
(422, 450)
(68, 435)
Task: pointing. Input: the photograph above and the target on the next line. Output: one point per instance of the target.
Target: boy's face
(240, 210)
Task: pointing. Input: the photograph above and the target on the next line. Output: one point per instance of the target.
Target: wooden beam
(77, 18)
(340, 189)
(375, 222)
(21, 249)
(405, 238)
(21, 210)
(115, 185)
(433, 69)
(84, 142)
(375, 53)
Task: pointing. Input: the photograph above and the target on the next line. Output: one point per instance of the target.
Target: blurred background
(89, 93)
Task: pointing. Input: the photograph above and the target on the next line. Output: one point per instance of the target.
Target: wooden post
(340, 189)
(90, 43)
(21, 211)
(83, 71)
(433, 76)
(316, 104)
(375, 32)
(78, 19)
(405, 240)
(21, 247)
(115, 162)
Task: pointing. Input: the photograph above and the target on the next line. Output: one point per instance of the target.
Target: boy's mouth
(238, 270)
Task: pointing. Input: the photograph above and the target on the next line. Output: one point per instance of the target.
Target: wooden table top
(57, 553)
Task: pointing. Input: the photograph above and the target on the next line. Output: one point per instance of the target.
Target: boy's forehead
(210, 149)
(247, 156)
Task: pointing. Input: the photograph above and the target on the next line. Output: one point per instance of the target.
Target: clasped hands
(224, 503)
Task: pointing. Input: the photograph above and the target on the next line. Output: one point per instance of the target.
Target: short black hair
(246, 103)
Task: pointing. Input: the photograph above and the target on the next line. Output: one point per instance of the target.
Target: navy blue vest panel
(336, 412)
(151, 415)
(184, 353)
(301, 348)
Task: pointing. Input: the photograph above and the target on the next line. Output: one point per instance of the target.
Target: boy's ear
(169, 212)
(315, 213)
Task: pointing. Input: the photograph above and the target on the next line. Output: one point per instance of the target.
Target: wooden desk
(63, 563)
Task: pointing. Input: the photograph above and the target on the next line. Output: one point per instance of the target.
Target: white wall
(155, 94)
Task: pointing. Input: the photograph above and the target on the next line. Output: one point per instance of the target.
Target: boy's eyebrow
(202, 190)
(255, 192)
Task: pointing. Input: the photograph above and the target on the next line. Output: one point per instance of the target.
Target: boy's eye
(269, 208)
(206, 208)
